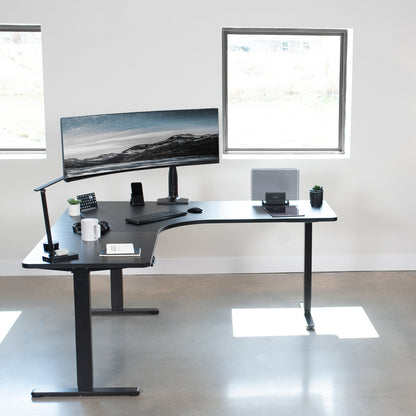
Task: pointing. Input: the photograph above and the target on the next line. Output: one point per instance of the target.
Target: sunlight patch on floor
(7, 320)
(343, 322)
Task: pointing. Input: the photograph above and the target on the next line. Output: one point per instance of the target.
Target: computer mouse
(195, 210)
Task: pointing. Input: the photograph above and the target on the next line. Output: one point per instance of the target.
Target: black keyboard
(154, 217)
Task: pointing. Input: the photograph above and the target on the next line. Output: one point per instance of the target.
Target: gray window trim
(342, 33)
(21, 28)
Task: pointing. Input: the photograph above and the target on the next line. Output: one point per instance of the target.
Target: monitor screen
(110, 143)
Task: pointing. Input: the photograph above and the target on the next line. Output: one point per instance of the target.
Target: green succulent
(73, 201)
(317, 188)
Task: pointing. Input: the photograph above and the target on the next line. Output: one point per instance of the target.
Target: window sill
(285, 156)
(13, 155)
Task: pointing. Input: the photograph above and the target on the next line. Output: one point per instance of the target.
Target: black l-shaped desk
(145, 237)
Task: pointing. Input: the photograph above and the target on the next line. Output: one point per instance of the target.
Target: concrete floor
(187, 361)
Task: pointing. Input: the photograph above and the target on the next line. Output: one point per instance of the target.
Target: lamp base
(55, 246)
(52, 258)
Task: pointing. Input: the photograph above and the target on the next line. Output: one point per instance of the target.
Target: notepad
(120, 249)
(283, 210)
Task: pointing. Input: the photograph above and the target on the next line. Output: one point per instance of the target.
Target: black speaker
(137, 198)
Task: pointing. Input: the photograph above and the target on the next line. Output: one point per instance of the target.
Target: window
(22, 121)
(284, 90)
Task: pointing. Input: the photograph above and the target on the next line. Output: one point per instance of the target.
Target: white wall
(134, 55)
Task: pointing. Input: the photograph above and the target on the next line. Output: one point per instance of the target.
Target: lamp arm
(50, 247)
(49, 184)
(41, 189)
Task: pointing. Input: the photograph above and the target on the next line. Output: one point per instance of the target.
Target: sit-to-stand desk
(145, 236)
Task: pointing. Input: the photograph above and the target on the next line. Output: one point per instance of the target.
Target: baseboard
(223, 265)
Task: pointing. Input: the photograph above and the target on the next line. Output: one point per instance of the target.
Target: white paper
(123, 248)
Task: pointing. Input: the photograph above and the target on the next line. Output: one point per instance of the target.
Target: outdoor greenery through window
(284, 90)
(22, 121)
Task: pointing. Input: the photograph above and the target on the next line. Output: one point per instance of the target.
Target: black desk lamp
(50, 246)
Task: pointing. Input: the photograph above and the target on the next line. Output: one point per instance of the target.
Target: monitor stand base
(172, 201)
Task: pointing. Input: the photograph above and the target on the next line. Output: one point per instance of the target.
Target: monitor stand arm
(173, 198)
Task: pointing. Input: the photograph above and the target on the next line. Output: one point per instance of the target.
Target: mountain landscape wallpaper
(95, 145)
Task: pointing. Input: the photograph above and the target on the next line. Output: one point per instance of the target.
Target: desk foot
(125, 311)
(99, 391)
(310, 324)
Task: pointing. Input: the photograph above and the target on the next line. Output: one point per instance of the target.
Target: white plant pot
(74, 211)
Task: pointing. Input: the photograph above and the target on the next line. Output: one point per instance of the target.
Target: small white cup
(90, 229)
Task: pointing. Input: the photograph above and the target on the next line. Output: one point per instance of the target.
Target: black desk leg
(83, 342)
(117, 307)
(307, 277)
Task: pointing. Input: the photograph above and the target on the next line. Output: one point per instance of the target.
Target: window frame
(342, 113)
(7, 151)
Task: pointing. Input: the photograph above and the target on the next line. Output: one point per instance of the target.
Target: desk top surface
(145, 236)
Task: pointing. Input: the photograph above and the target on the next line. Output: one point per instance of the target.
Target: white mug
(90, 229)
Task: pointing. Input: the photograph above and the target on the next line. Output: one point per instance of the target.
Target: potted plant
(316, 195)
(74, 208)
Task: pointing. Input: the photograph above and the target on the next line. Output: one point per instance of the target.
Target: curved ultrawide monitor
(110, 143)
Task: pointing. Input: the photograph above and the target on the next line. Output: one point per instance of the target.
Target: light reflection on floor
(343, 322)
(320, 392)
(7, 320)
